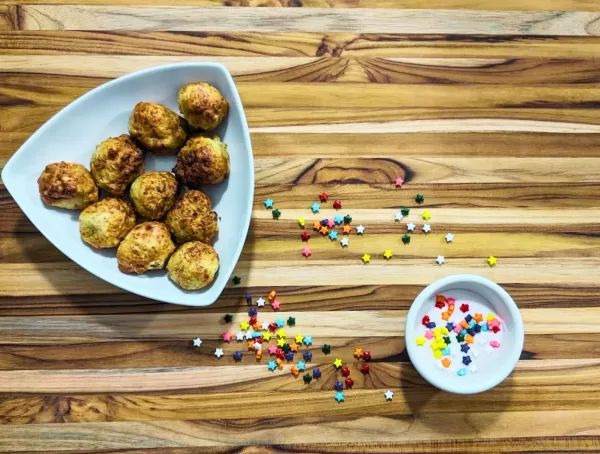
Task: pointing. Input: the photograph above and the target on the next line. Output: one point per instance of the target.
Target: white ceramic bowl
(498, 366)
(72, 135)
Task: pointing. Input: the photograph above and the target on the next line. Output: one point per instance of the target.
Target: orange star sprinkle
(316, 225)
(272, 295)
(358, 352)
(257, 326)
(446, 363)
(445, 316)
(259, 354)
(469, 339)
(346, 229)
(251, 346)
(324, 230)
(464, 324)
(478, 318)
(294, 370)
(279, 363)
(294, 347)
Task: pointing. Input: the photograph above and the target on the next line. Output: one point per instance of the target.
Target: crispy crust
(202, 105)
(153, 194)
(191, 218)
(67, 185)
(157, 128)
(104, 224)
(146, 247)
(193, 265)
(203, 161)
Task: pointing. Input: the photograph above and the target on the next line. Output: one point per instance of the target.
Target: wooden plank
(67, 17)
(9, 17)
(162, 434)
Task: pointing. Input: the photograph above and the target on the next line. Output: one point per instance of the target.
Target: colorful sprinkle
(269, 203)
(492, 260)
(366, 258)
(337, 204)
(461, 372)
(406, 239)
(495, 344)
(315, 207)
(419, 198)
(387, 254)
(323, 197)
(276, 214)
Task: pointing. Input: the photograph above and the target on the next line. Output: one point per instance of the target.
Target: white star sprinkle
(398, 216)
(410, 227)
(219, 352)
(197, 342)
(389, 395)
(344, 242)
(426, 228)
(248, 335)
(239, 336)
(440, 259)
(257, 346)
(265, 326)
(260, 302)
(473, 368)
(449, 237)
(360, 229)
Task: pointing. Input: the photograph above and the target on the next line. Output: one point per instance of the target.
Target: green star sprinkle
(419, 198)
(460, 338)
(406, 239)
(228, 318)
(286, 347)
(405, 211)
(276, 213)
(307, 378)
(326, 349)
(236, 280)
(446, 340)
(291, 321)
(347, 219)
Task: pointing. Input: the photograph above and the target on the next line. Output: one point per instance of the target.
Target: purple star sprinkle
(307, 356)
(317, 373)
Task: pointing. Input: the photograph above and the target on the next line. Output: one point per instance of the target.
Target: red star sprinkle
(280, 353)
(323, 196)
(337, 204)
(440, 305)
(366, 356)
(258, 339)
(495, 329)
(305, 236)
(345, 371)
(349, 382)
(364, 369)
(464, 307)
(253, 320)
(273, 327)
(425, 320)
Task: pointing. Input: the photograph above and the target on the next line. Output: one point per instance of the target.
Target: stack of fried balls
(143, 228)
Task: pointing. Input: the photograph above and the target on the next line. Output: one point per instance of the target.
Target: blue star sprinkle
(315, 207)
(268, 203)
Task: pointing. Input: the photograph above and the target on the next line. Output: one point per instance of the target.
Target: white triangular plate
(72, 135)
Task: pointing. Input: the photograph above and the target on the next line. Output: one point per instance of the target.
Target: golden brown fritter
(153, 194)
(67, 185)
(191, 218)
(193, 265)
(157, 128)
(203, 161)
(202, 105)
(146, 247)
(104, 224)
(116, 162)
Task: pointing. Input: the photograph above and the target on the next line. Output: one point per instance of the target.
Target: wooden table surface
(492, 113)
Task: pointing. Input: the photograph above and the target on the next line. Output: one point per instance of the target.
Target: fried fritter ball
(67, 185)
(116, 162)
(104, 224)
(153, 194)
(191, 218)
(157, 128)
(193, 265)
(203, 161)
(202, 105)
(146, 247)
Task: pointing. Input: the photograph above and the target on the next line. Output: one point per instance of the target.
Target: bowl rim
(244, 220)
(517, 332)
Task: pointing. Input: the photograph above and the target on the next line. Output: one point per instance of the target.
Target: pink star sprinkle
(399, 182)
(272, 349)
(275, 304)
(429, 334)
(450, 301)
(495, 344)
(227, 336)
(306, 252)
(331, 222)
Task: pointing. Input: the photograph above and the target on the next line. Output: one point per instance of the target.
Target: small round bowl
(482, 292)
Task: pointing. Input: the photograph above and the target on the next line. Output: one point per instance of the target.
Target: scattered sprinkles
(492, 260)
(366, 258)
(269, 203)
(406, 239)
(449, 237)
(405, 211)
(389, 395)
(399, 182)
(360, 230)
(426, 228)
(337, 204)
(197, 342)
(426, 215)
(276, 214)
(236, 280)
(323, 197)
(315, 207)
(419, 198)
(302, 222)
(387, 254)
(306, 252)
(344, 242)
(440, 260)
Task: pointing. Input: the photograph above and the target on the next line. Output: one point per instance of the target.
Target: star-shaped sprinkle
(260, 302)
(388, 395)
(316, 372)
(387, 254)
(291, 321)
(326, 349)
(301, 365)
(197, 342)
(449, 237)
(236, 280)
(406, 239)
(281, 333)
(244, 325)
(337, 363)
(299, 338)
(250, 345)
(405, 211)
(420, 340)
(276, 213)
(257, 346)
(323, 197)
(228, 318)
(464, 348)
(367, 355)
(338, 219)
(239, 336)
(492, 260)
(272, 365)
(307, 340)
(219, 352)
(426, 215)
(347, 219)
(305, 236)
(306, 252)
(339, 396)
(358, 352)
(264, 326)
(315, 207)
(280, 342)
(294, 347)
(399, 182)
(301, 222)
(364, 369)
(295, 371)
(227, 336)
(307, 378)
(280, 323)
(307, 356)
(346, 229)
(272, 349)
(333, 235)
(360, 229)
(324, 230)
(330, 223)
(337, 204)
(248, 335)
(344, 242)
(349, 383)
(366, 258)
(338, 386)
(237, 356)
(268, 203)
(266, 335)
(410, 227)
(252, 312)
(419, 198)
(426, 228)
(440, 259)
(316, 225)
(398, 216)
(248, 298)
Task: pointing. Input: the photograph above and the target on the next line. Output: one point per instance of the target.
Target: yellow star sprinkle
(445, 331)
(266, 335)
(426, 215)
(490, 317)
(301, 222)
(437, 331)
(244, 325)
(299, 338)
(492, 260)
(437, 354)
(366, 258)
(420, 340)
(281, 333)
(280, 342)
(387, 254)
(337, 363)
